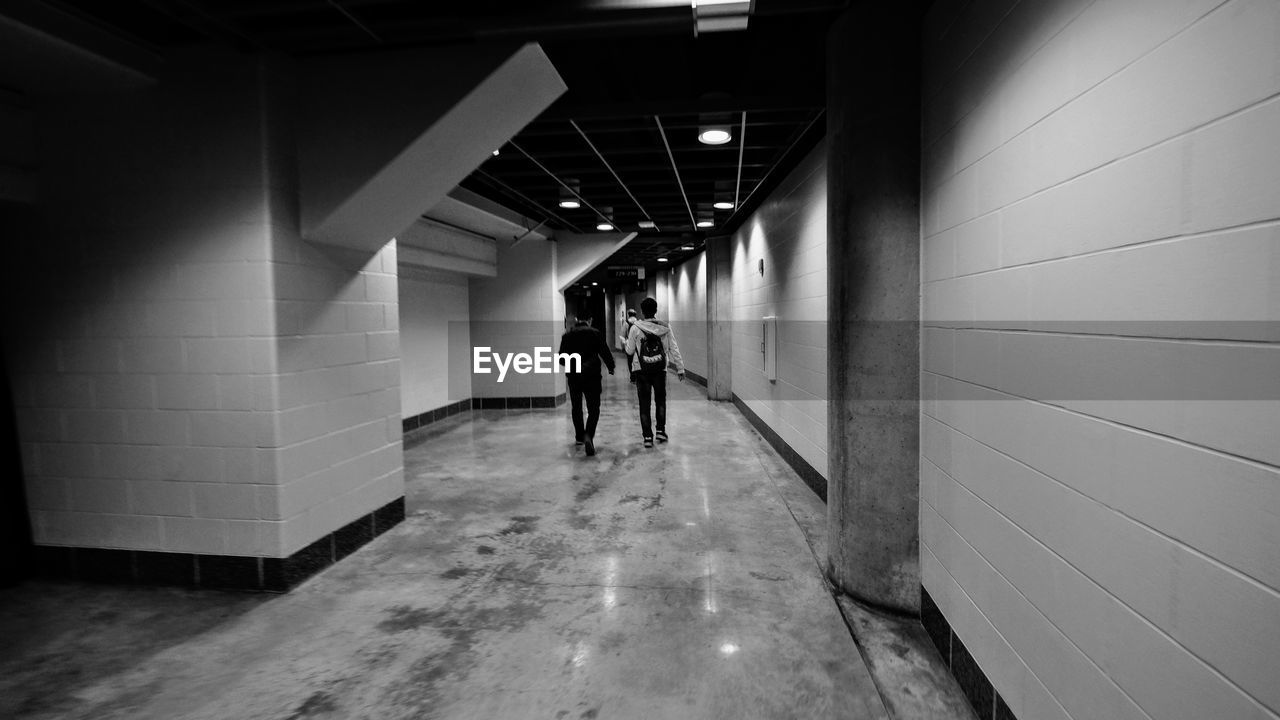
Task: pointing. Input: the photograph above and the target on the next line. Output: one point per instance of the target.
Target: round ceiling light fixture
(662, 259)
(569, 195)
(706, 223)
(714, 134)
(723, 205)
(606, 219)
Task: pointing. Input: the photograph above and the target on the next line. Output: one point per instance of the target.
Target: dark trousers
(652, 382)
(584, 387)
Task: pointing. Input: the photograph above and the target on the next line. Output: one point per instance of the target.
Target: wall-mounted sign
(626, 273)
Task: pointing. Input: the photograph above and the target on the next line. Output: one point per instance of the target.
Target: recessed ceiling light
(647, 224)
(686, 247)
(496, 153)
(706, 223)
(604, 226)
(714, 135)
(569, 196)
(595, 283)
(663, 260)
(722, 205)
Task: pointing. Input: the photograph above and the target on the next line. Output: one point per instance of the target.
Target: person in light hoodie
(652, 347)
(626, 330)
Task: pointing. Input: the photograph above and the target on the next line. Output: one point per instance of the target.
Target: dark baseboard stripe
(217, 572)
(807, 472)
(423, 419)
(519, 403)
(982, 696)
(696, 377)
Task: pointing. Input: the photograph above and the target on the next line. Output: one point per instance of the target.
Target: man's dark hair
(649, 307)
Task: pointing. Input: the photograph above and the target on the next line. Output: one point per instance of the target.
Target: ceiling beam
(610, 168)
(742, 143)
(543, 128)
(675, 169)
(525, 198)
(603, 218)
(676, 106)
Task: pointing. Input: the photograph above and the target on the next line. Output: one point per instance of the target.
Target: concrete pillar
(719, 320)
(873, 121)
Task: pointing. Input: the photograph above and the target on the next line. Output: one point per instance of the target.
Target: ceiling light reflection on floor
(728, 649)
(580, 653)
(610, 595)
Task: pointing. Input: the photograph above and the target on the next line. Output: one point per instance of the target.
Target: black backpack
(653, 356)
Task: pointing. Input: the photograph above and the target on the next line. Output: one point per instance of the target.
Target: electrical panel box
(769, 346)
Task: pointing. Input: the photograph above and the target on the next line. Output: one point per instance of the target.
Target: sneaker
(591, 447)
(648, 442)
(662, 435)
(578, 440)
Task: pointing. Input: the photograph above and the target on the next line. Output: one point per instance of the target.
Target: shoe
(648, 442)
(591, 447)
(662, 435)
(578, 440)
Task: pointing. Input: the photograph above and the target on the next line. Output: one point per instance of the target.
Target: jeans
(588, 387)
(655, 382)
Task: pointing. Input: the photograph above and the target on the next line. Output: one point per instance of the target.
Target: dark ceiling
(640, 84)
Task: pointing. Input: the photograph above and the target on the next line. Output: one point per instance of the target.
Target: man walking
(589, 345)
(626, 330)
(652, 346)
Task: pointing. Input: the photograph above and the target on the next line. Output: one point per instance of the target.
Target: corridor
(978, 302)
(528, 581)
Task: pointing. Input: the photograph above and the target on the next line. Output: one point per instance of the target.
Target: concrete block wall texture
(192, 376)
(789, 233)
(338, 428)
(435, 340)
(142, 322)
(688, 311)
(1101, 256)
(515, 312)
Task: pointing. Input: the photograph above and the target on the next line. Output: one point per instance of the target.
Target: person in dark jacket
(588, 344)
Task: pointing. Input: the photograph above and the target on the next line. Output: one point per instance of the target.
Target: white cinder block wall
(789, 232)
(688, 312)
(1100, 480)
(193, 377)
(338, 427)
(515, 312)
(143, 372)
(435, 340)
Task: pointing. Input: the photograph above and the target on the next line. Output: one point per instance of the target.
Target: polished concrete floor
(528, 581)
